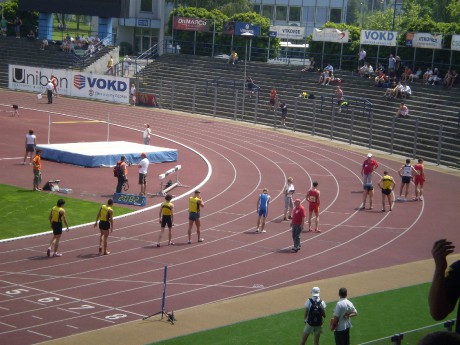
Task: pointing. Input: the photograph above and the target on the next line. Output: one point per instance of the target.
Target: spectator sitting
(233, 58)
(72, 47)
(65, 46)
(97, 39)
(405, 77)
(393, 92)
(380, 79)
(329, 68)
(380, 68)
(427, 74)
(322, 76)
(311, 67)
(435, 78)
(406, 91)
(362, 71)
(402, 111)
(68, 38)
(328, 78)
(417, 75)
(31, 35)
(44, 44)
(91, 49)
(451, 80)
(370, 71)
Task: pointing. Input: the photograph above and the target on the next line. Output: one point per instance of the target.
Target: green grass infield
(381, 315)
(25, 212)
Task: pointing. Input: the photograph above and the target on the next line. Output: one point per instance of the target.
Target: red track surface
(43, 299)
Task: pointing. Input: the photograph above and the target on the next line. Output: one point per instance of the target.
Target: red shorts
(313, 207)
(418, 180)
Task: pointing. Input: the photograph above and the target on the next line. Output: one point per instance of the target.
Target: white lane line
(43, 335)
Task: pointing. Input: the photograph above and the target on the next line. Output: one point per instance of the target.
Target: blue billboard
(242, 27)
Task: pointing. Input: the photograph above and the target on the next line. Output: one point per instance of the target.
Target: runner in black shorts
(166, 217)
(56, 217)
(105, 218)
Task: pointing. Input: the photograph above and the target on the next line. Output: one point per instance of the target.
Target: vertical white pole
(108, 126)
(49, 127)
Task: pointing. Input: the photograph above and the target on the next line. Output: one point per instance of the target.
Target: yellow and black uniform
(194, 208)
(106, 214)
(56, 220)
(387, 182)
(166, 214)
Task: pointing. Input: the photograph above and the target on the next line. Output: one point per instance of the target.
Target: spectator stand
(165, 188)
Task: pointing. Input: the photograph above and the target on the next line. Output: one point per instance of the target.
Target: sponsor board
(289, 32)
(427, 40)
(289, 61)
(242, 27)
(330, 35)
(455, 44)
(191, 24)
(378, 38)
(70, 83)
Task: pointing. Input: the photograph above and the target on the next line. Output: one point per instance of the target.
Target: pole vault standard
(170, 316)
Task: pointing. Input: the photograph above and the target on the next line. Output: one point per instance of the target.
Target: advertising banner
(379, 38)
(427, 40)
(455, 44)
(228, 28)
(242, 27)
(70, 83)
(289, 32)
(409, 38)
(191, 24)
(330, 35)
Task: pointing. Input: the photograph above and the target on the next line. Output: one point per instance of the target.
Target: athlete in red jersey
(313, 206)
(419, 180)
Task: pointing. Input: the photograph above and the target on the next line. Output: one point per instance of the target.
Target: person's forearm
(440, 305)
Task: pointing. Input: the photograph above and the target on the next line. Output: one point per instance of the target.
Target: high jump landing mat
(105, 153)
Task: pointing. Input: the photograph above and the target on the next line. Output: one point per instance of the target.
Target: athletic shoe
(294, 249)
(100, 250)
(421, 198)
(106, 253)
(257, 230)
(264, 231)
(189, 242)
(158, 244)
(383, 210)
(48, 252)
(317, 230)
(57, 255)
(201, 239)
(414, 198)
(170, 243)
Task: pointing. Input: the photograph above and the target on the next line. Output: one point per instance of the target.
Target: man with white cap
(368, 167)
(315, 312)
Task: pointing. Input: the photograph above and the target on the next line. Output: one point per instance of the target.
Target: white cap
(315, 291)
(369, 155)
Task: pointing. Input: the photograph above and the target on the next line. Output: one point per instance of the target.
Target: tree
(454, 10)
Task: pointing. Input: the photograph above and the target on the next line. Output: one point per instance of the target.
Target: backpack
(315, 314)
(117, 170)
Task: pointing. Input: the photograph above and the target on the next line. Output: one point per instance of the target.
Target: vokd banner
(70, 83)
(289, 32)
(378, 38)
(191, 24)
(330, 35)
(455, 44)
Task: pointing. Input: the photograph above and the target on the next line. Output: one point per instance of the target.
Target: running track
(46, 298)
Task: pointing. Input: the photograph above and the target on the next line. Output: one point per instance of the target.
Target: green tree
(228, 7)
(454, 10)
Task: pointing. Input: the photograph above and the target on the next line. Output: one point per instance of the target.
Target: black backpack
(315, 314)
(117, 170)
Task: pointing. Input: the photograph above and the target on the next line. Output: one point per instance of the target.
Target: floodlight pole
(245, 35)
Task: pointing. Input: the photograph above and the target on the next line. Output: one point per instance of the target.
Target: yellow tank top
(193, 204)
(105, 215)
(166, 208)
(56, 214)
(387, 182)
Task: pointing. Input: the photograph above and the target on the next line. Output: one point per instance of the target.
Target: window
(146, 6)
(321, 14)
(294, 14)
(256, 8)
(335, 15)
(309, 14)
(267, 11)
(281, 13)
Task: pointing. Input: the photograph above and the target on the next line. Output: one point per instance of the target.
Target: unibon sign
(289, 32)
(191, 24)
(455, 44)
(378, 38)
(427, 40)
(70, 83)
(330, 35)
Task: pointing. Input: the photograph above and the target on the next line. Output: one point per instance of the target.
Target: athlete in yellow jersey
(105, 218)
(195, 203)
(387, 184)
(56, 217)
(166, 217)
